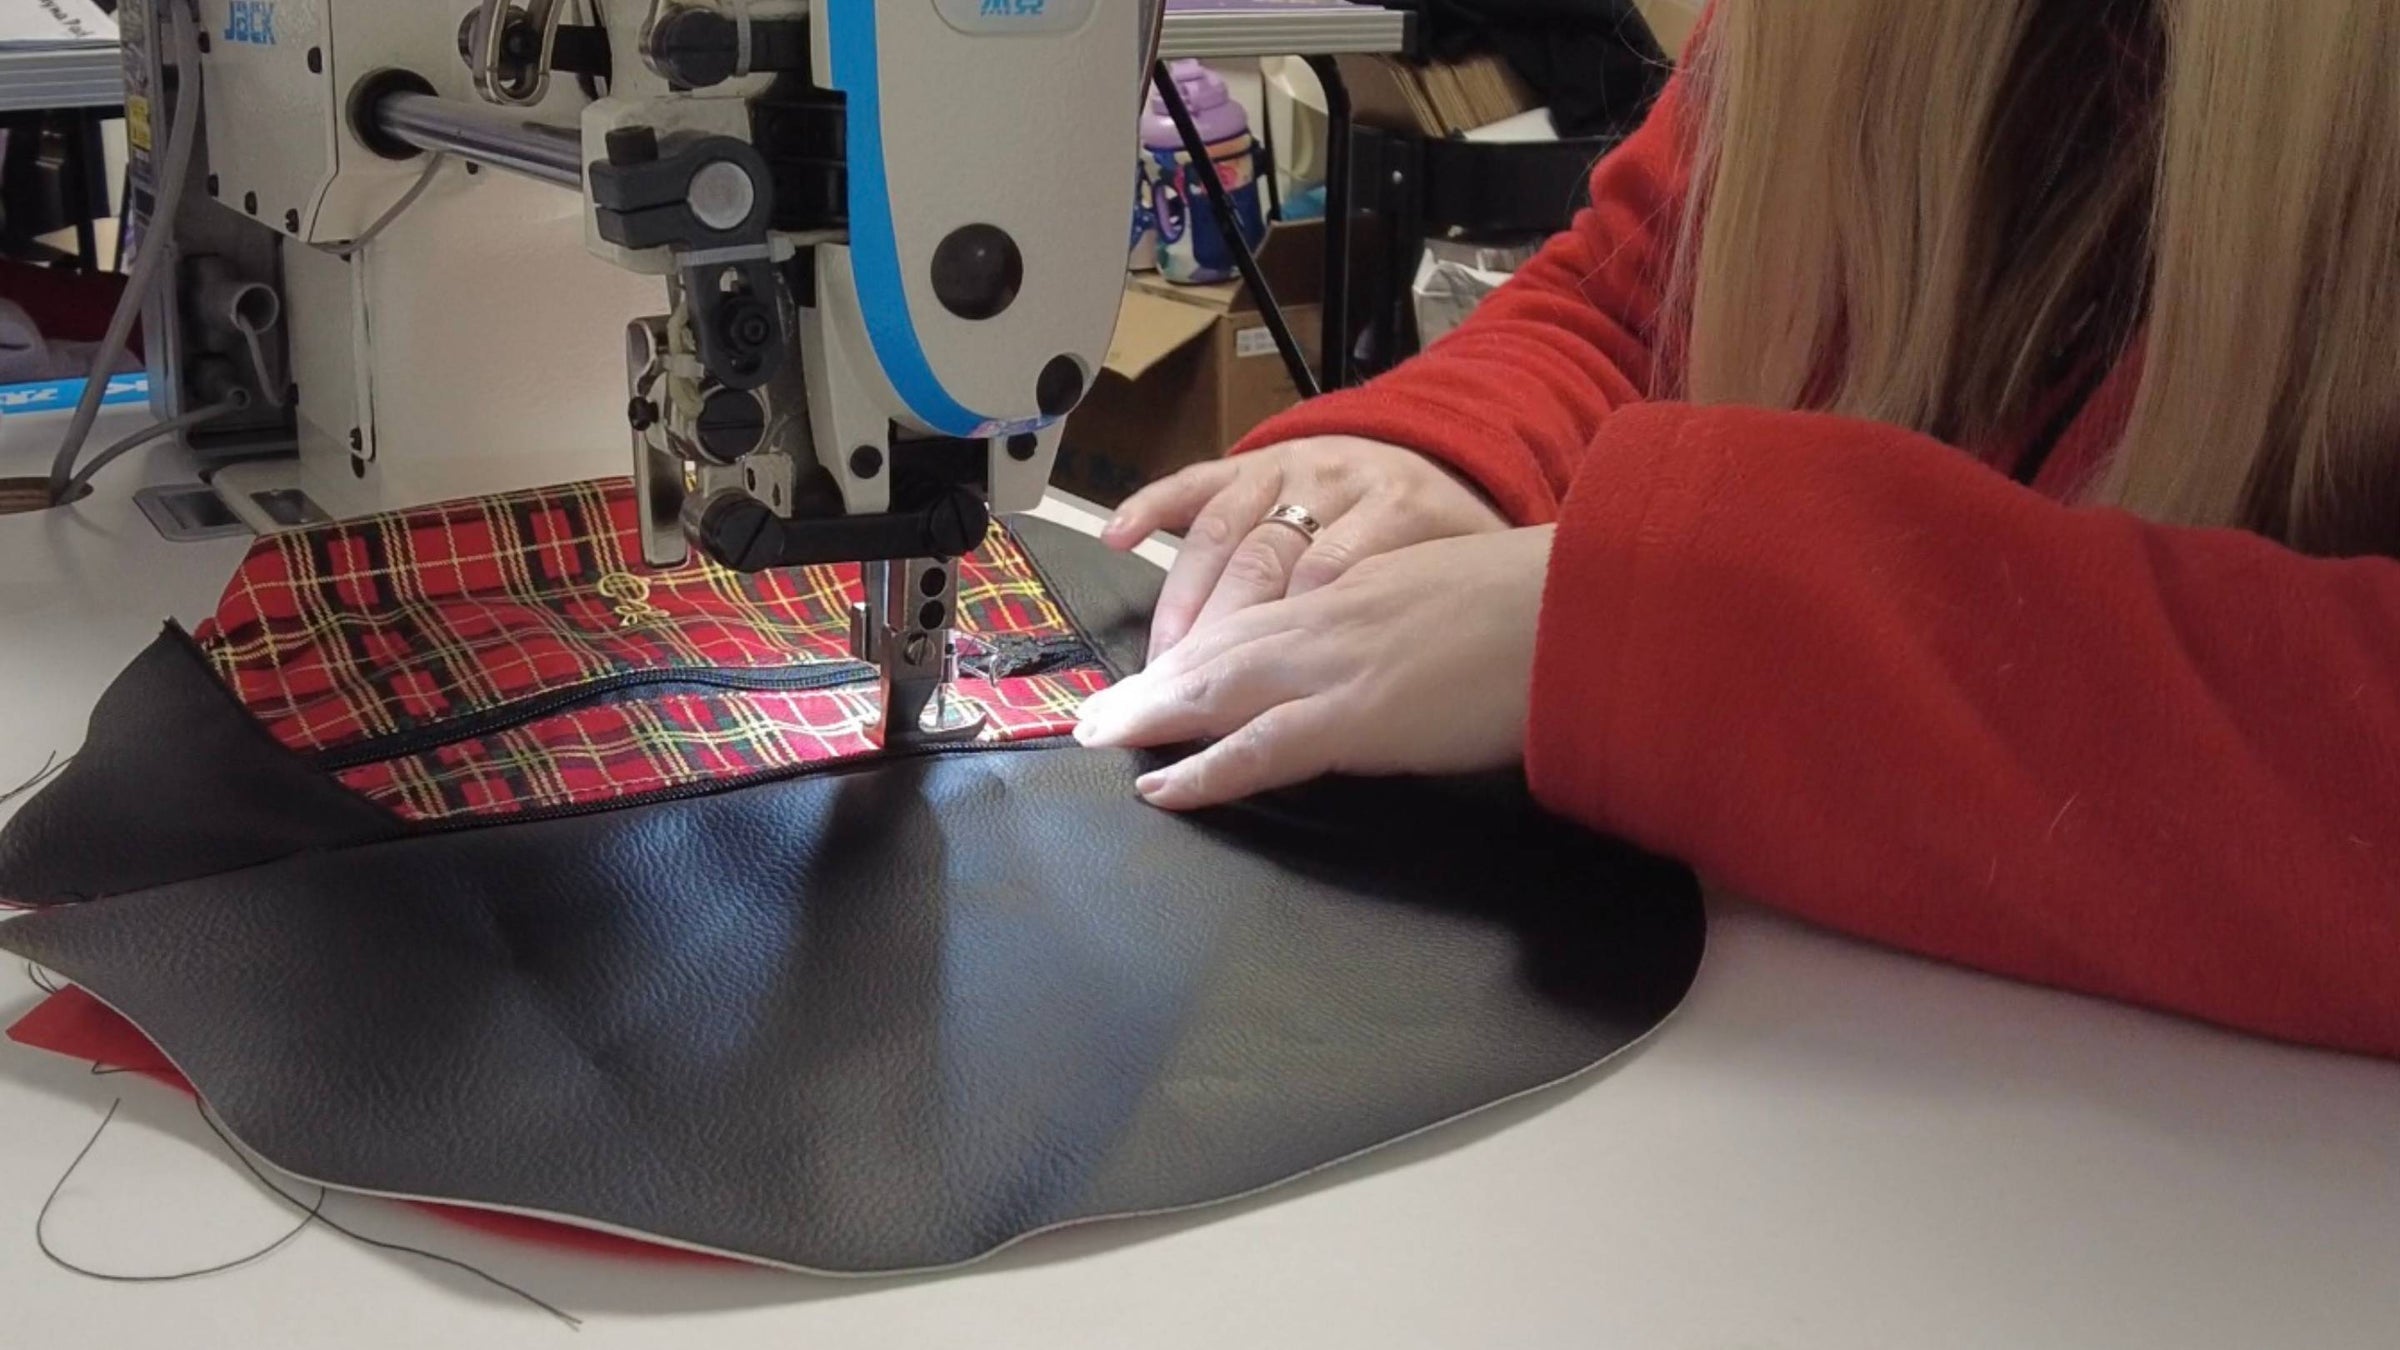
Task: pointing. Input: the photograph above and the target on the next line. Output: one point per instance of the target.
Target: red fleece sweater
(1864, 676)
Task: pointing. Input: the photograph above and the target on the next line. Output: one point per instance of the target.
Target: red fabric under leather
(75, 1024)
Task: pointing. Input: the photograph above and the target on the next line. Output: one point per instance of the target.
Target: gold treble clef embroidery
(632, 595)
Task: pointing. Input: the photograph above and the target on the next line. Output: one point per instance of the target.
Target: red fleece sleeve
(1851, 672)
(1513, 396)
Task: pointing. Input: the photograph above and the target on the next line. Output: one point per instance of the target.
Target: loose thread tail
(51, 768)
(41, 1227)
(312, 1214)
(243, 1157)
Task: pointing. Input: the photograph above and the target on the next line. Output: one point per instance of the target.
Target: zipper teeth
(717, 786)
(1051, 654)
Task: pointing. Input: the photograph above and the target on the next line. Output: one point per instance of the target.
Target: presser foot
(915, 714)
(905, 628)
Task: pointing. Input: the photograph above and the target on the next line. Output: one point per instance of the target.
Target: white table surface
(1830, 1146)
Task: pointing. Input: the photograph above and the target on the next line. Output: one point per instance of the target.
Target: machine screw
(694, 47)
(748, 324)
(731, 424)
(958, 524)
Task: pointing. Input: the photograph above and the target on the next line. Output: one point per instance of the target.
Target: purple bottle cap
(1202, 88)
(1213, 109)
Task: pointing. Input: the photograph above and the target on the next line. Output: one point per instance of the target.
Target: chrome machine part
(905, 627)
(514, 83)
(660, 480)
(519, 142)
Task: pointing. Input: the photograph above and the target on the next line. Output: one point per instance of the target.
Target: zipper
(1013, 656)
(508, 716)
(685, 792)
(1002, 658)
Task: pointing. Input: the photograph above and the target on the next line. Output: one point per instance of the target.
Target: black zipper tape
(1003, 658)
(713, 786)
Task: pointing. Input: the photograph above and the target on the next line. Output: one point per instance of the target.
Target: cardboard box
(1672, 21)
(1193, 370)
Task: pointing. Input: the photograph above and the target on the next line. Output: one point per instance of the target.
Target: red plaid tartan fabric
(398, 629)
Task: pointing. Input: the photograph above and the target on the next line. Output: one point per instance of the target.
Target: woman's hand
(1417, 662)
(1371, 498)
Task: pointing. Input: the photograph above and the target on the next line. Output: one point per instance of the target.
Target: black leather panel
(886, 1017)
(175, 780)
(893, 1016)
(1109, 595)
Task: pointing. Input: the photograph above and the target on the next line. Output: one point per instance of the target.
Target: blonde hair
(1931, 212)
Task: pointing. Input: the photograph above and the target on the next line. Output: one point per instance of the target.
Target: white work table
(1829, 1147)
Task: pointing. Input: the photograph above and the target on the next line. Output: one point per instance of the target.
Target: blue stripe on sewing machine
(875, 238)
(61, 396)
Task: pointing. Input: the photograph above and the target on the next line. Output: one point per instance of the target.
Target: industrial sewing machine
(889, 234)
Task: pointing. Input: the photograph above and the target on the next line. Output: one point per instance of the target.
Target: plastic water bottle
(1190, 246)
(1144, 256)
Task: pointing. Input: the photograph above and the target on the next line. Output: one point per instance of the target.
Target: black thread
(310, 1214)
(51, 768)
(572, 1321)
(41, 1235)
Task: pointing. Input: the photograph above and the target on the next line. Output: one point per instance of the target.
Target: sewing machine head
(889, 238)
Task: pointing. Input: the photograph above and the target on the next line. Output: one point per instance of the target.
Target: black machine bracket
(742, 533)
(711, 200)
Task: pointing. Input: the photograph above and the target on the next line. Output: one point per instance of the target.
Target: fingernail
(1151, 784)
